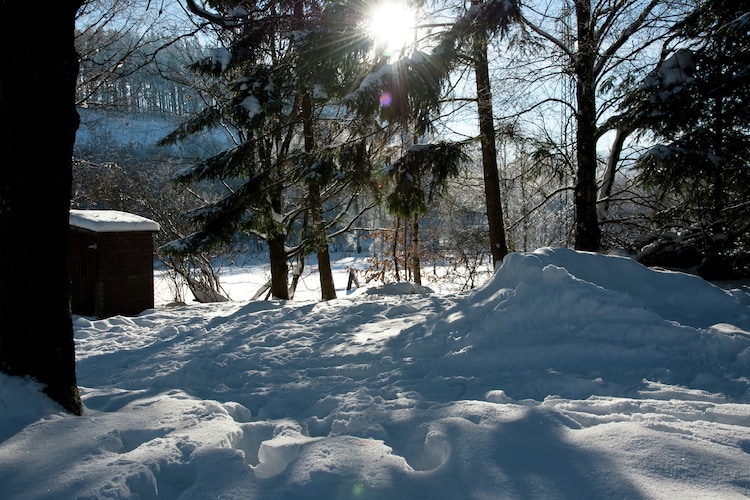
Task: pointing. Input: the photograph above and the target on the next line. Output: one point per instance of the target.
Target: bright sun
(392, 25)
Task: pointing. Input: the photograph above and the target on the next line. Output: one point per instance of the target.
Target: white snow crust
(567, 375)
(111, 221)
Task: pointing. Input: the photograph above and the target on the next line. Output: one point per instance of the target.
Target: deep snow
(567, 375)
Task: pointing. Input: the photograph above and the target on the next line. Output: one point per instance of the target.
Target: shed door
(83, 269)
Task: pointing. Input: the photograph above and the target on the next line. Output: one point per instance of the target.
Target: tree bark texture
(320, 236)
(608, 178)
(416, 262)
(279, 268)
(38, 122)
(587, 232)
(498, 244)
(327, 286)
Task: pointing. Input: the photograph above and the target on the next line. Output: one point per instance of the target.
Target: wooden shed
(111, 263)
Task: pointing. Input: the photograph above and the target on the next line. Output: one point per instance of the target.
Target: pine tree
(283, 70)
(696, 103)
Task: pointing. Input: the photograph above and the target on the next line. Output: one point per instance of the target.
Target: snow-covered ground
(568, 375)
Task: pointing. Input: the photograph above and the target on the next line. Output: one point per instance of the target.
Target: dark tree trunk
(279, 267)
(719, 130)
(327, 286)
(320, 236)
(587, 232)
(498, 244)
(395, 249)
(296, 275)
(608, 178)
(38, 122)
(416, 262)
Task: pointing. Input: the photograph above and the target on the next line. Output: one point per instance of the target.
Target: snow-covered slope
(568, 375)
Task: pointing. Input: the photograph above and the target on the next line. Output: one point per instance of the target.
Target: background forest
(290, 128)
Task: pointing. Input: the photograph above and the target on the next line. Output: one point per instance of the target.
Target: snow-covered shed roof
(111, 221)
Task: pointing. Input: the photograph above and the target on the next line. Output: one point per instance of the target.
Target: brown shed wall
(111, 273)
(125, 283)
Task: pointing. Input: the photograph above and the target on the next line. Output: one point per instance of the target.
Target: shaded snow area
(568, 375)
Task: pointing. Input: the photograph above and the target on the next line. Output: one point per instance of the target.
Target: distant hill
(107, 132)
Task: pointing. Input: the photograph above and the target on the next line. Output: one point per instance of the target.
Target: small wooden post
(352, 279)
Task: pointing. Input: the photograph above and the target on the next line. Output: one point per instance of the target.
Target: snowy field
(567, 376)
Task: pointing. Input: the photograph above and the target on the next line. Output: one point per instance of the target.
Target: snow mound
(568, 375)
(561, 322)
